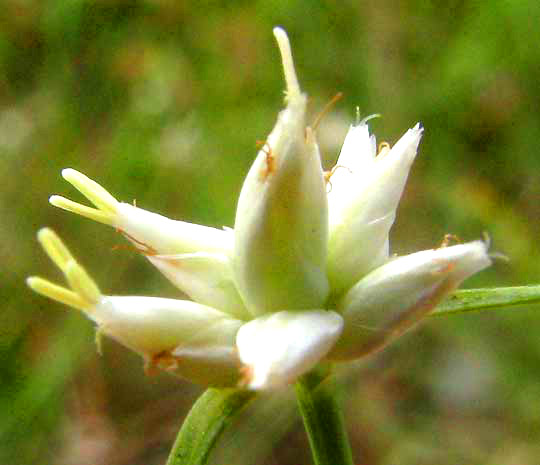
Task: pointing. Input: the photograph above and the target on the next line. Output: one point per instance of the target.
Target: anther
(161, 361)
(447, 239)
(444, 267)
(264, 146)
(384, 148)
(246, 376)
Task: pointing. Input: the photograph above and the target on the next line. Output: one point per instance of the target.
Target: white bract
(305, 275)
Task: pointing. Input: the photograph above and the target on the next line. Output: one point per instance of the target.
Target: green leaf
(472, 300)
(205, 423)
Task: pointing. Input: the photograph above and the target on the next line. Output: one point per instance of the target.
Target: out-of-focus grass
(163, 101)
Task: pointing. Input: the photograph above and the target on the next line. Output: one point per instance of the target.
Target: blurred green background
(163, 102)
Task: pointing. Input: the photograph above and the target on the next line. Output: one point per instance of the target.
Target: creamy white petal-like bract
(161, 235)
(151, 325)
(356, 156)
(186, 334)
(205, 277)
(362, 209)
(150, 232)
(279, 347)
(281, 226)
(395, 296)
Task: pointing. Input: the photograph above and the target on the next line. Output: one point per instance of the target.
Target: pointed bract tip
(293, 88)
(68, 173)
(279, 31)
(55, 200)
(46, 236)
(417, 129)
(45, 233)
(93, 191)
(54, 247)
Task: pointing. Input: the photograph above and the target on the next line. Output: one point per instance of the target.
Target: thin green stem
(207, 419)
(323, 419)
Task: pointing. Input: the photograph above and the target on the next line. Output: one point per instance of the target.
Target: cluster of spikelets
(304, 276)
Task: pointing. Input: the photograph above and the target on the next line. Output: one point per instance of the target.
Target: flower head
(305, 275)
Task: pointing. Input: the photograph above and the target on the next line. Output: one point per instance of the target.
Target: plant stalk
(323, 418)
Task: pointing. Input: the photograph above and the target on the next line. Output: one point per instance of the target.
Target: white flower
(304, 276)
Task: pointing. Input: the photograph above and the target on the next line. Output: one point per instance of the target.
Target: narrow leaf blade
(472, 300)
(205, 423)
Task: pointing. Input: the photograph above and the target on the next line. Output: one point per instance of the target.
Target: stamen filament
(326, 110)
